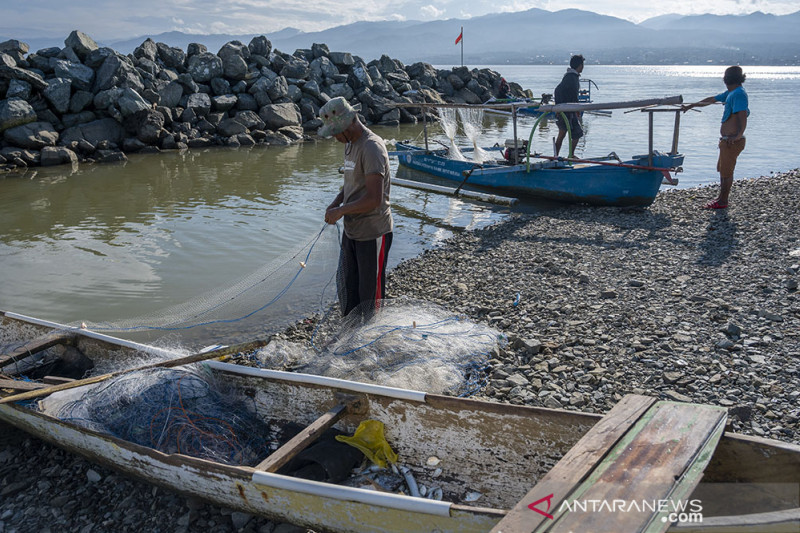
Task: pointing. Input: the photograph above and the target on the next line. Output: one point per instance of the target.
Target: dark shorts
(574, 124)
(362, 271)
(728, 153)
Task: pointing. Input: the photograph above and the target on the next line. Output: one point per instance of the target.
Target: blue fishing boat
(605, 180)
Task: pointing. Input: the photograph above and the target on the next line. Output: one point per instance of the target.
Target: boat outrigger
(530, 106)
(467, 465)
(597, 181)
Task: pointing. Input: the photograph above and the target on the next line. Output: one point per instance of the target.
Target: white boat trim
(297, 377)
(338, 492)
(94, 335)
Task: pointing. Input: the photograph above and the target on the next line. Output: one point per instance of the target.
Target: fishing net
(449, 122)
(173, 411)
(472, 124)
(405, 343)
(274, 295)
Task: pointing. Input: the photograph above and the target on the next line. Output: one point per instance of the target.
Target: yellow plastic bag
(370, 440)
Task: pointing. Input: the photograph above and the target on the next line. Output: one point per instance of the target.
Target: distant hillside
(537, 36)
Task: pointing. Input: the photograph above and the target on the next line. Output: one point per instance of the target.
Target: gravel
(673, 301)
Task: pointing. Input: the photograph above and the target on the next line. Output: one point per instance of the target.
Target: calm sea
(109, 242)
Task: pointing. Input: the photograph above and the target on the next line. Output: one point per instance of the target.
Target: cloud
(431, 12)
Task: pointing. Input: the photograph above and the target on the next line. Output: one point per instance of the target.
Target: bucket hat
(336, 115)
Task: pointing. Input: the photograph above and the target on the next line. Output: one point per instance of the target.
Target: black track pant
(362, 271)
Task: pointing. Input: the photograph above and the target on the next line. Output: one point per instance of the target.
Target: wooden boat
(489, 455)
(595, 181)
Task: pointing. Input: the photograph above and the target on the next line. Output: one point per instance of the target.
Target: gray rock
(18, 89)
(57, 155)
(224, 102)
(34, 135)
(260, 45)
(171, 56)
(231, 127)
(106, 129)
(276, 116)
(200, 103)
(171, 94)
(15, 112)
(130, 102)
(204, 67)
(16, 73)
(82, 44)
(147, 50)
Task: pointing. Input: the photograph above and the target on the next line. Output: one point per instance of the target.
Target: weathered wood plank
(302, 440)
(37, 345)
(56, 380)
(15, 384)
(661, 459)
(575, 466)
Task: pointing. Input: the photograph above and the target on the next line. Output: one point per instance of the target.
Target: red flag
(460, 35)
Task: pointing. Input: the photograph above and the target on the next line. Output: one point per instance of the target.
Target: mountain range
(535, 36)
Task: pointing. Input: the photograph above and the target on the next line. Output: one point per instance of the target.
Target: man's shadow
(720, 239)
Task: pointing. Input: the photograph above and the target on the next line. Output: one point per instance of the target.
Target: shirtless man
(734, 122)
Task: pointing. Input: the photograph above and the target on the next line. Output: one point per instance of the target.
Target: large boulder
(58, 93)
(16, 73)
(260, 46)
(171, 56)
(81, 44)
(15, 112)
(200, 103)
(277, 116)
(130, 102)
(234, 57)
(146, 124)
(18, 88)
(57, 155)
(33, 135)
(146, 50)
(117, 71)
(171, 94)
(14, 48)
(204, 67)
(105, 129)
(79, 74)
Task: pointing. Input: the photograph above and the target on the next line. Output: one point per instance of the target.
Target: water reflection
(112, 241)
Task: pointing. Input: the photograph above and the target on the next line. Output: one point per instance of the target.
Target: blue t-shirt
(735, 101)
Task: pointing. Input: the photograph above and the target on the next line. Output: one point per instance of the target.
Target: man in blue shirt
(734, 122)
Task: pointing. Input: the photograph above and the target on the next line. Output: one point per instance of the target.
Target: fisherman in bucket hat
(363, 204)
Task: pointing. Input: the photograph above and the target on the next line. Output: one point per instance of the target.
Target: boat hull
(592, 184)
(495, 450)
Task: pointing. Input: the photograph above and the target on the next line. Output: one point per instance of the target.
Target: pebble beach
(673, 301)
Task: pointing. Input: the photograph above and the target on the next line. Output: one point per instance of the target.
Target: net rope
(472, 124)
(449, 121)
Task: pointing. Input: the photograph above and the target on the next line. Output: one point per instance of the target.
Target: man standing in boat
(363, 203)
(566, 93)
(734, 122)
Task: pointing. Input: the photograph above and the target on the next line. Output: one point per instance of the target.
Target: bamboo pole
(189, 359)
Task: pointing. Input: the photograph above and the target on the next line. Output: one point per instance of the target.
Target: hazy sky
(116, 19)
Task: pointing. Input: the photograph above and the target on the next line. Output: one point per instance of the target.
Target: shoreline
(672, 301)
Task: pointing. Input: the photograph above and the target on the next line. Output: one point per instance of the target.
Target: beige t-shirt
(367, 155)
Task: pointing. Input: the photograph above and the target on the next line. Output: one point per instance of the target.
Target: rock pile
(88, 103)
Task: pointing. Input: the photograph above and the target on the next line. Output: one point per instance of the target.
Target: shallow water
(110, 242)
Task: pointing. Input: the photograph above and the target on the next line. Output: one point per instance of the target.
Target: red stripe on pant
(381, 269)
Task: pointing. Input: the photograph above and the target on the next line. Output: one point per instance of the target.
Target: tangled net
(173, 411)
(404, 343)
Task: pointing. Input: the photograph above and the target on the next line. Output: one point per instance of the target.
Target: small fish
(410, 481)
